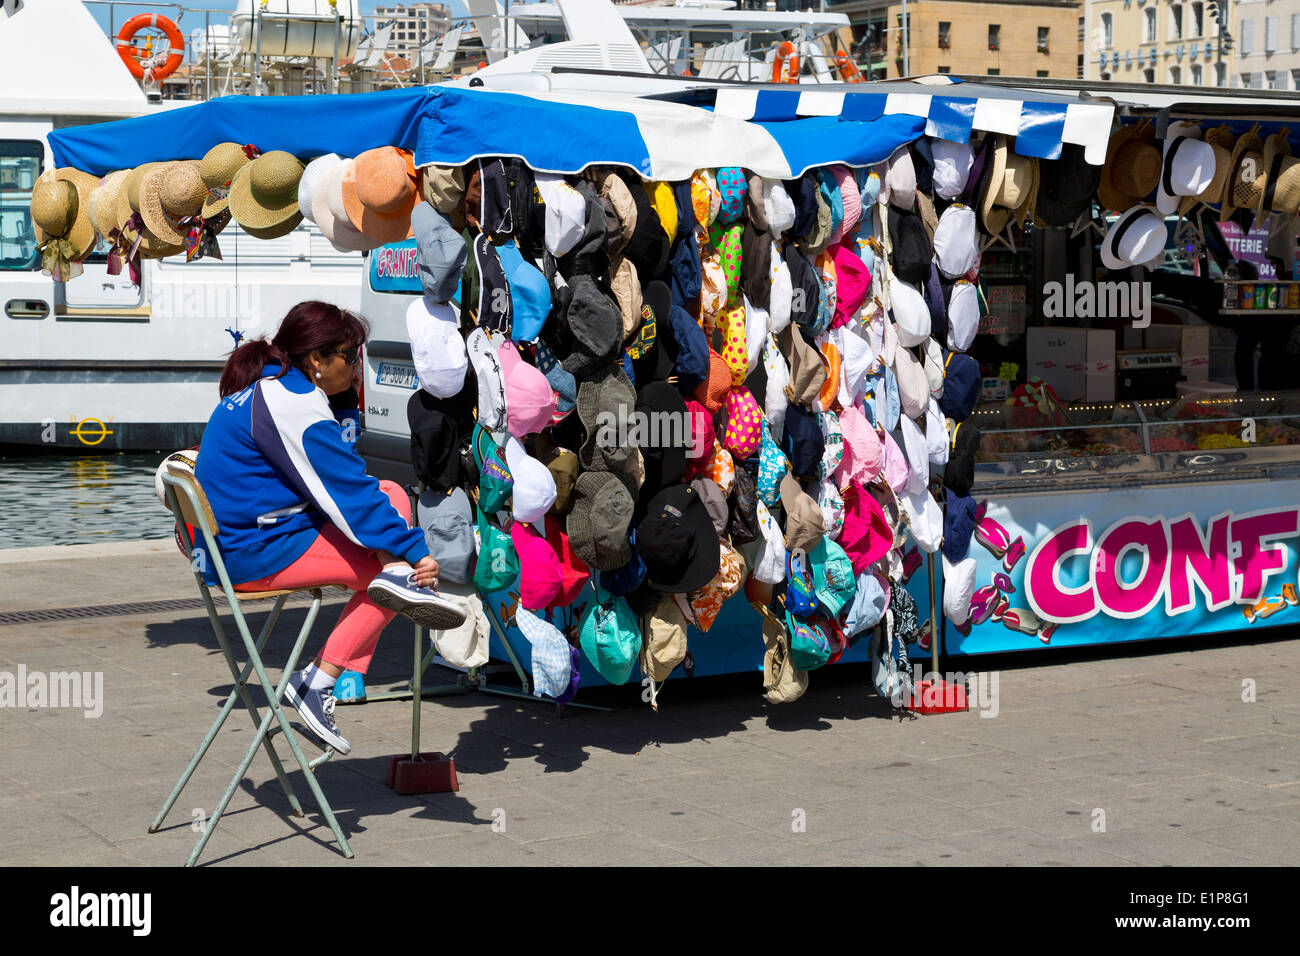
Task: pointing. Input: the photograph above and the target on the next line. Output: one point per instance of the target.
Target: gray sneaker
(397, 591)
(316, 708)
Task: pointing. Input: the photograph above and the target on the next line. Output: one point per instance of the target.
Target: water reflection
(50, 499)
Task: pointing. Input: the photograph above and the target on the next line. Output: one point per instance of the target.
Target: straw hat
(1244, 167)
(217, 168)
(169, 193)
(264, 195)
(1219, 140)
(1008, 183)
(331, 216)
(1279, 183)
(61, 208)
(379, 192)
(1132, 168)
(128, 204)
(102, 202)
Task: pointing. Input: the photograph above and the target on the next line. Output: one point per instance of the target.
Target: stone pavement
(1155, 743)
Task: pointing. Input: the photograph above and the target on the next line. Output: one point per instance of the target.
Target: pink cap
(895, 465)
(852, 284)
(866, 536)
(700, 453)
(530, 403)
(851, 198)
(540, 576)
(744, 423)
(864, 455)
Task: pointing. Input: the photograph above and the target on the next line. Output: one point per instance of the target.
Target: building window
(1175, 75)
(1276, 79)
(993, 72)
(1149, 75)
(995, 31)
(1044, 73)
(1042, 39)
(1246, 40)
(1176, 23)
(1149, 32)
(1197, 76)
(945, 39)
(1295, 79)
(1198, 19)
(945, 69)
(1270, 34)
(1245, 81)
(1295, 31)
(1107, 31)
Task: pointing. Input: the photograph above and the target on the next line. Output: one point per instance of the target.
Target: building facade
(994, 38)
(414, 24)
(1266, 52)
(1156, 41)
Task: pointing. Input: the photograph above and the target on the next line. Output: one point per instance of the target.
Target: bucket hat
(603, 505)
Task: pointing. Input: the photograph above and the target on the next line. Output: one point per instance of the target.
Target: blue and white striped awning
(559, 133)
(1038, 123)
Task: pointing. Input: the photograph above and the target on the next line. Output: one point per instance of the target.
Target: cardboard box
(1195, 351)
(1079, 364)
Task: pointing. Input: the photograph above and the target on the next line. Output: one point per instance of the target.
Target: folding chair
(190, 505)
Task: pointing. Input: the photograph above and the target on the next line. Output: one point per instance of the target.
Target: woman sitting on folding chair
(296, 507)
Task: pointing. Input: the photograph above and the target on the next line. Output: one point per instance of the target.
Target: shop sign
(1007, 310)
(1251, 246)
(395, 268)
(1114, 566)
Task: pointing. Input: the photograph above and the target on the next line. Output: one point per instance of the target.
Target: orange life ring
(785, 66)
(132, 55)
(848, 72)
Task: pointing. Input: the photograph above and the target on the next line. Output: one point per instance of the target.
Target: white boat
(97, 363)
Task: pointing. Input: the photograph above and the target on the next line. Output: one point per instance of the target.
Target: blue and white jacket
(277, 465)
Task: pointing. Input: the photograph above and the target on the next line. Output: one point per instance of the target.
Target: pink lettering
(1256, 563)
(1047, 596)
(1119, 599)
(1196, 560)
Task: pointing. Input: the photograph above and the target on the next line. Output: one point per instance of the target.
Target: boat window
(20, 165)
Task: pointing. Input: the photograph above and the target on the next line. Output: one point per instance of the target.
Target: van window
(20, 165)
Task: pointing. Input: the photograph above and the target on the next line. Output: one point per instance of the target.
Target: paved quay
(1145, 756)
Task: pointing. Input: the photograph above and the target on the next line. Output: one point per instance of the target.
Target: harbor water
(79, 499)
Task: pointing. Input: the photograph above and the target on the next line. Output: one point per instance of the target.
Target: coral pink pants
(334, 559)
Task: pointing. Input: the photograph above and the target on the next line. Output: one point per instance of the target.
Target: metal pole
(334, 66)
(207, 55)
(907, 67)
(257, 50)
(416, 698)
(934, 619)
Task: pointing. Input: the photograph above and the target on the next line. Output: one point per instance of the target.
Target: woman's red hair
(308, 327)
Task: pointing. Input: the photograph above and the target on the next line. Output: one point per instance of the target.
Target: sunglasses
(352, 356)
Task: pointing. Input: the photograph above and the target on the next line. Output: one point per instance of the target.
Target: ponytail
(245, 364)
(308, 327)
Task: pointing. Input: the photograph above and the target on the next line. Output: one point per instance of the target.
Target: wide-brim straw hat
(1241, 190)
(218, 168)
(128, 204)
(1278, 179)
(380, 189)
(103, 202)
(169, 193)
(1218, 139)
(1010, 182)
(1132, 168)
(63, 209)
(264, 195)
(331, 216)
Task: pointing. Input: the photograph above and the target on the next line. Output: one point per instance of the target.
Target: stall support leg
(936, 696)
(424, 772)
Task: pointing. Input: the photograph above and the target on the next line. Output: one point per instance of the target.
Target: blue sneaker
(316, 708)
(397, 591)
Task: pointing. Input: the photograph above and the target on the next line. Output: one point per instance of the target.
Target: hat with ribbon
(171, 198)
(1136, 238)
(217, 169)
(379, 192)
(60, 212)
(1244, 189)
(1187, 167)
(1132, 168)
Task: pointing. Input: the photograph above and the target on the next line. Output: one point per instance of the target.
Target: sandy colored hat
(218, 168)
(331, 218)
(128, 204)
(264, 195)
(61, 207)
(1279, 187)
(1007, 188)
(103, 202)
(1219, 140)
(1132, 168)
(1242, 188)
(168, 194)
(379, 192)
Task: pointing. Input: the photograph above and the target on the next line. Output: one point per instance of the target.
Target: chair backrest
(191, 499)
(450, 45)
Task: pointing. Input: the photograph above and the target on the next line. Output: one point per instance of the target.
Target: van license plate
(397, 375)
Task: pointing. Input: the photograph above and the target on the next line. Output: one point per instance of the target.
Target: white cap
(437, 348)
(769, 565)
(956, 241)
(491, 382)
(925, 518)
(911, 314)
(958, 589)
(952, 163)
(934, 367)
(963, 315)
(778, 206)
(779, 302)
(534, 488)
(778, 377)
(899, 186)
(936, 435)
(918, 461)
(566, 213)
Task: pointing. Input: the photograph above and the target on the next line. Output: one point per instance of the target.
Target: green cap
(833, 579)
(498, 564)
(495, 483)
(610, 636)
